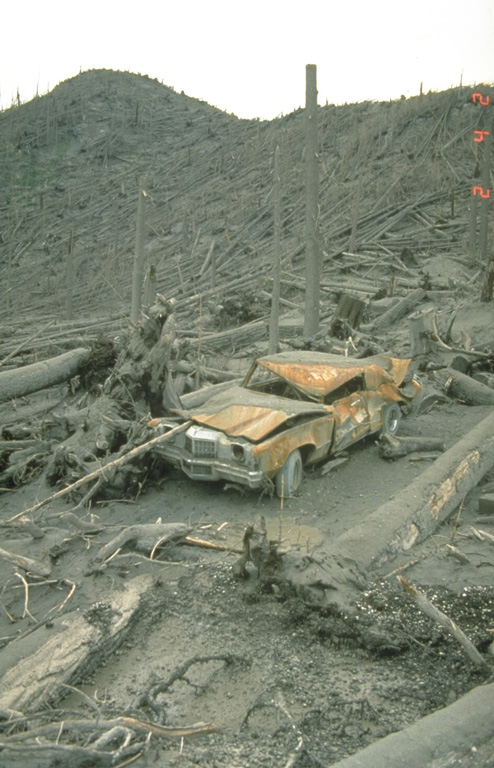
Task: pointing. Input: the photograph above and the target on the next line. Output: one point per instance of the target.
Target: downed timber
(232, 339)
(398, 310)
(414, 513)
(392, 447)
(435, 740)
(47, 373)
(100, 472)
(29, 564)
(464, 388)
(338, 572)
(28, 679)
(146, 537)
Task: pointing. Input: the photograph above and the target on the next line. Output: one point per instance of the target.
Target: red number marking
(480, 135)
(482, 192)
(478, 97)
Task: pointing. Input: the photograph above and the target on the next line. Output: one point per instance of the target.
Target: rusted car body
(292, 409)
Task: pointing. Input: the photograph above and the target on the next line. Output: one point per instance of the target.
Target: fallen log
(26, 563)
(28, 679)
(436, 740)
(338, 572)
(398, 310)
(416, 511)
(235, 338)
(464, 388)
(392, 447)
(146, 537)
(47, 373)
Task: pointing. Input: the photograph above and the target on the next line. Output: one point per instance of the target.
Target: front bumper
(210, 468)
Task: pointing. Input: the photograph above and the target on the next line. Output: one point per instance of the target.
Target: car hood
(240, 412)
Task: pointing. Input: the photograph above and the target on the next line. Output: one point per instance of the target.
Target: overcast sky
(248, 57)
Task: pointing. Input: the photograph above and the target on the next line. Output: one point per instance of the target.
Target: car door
(352, 420)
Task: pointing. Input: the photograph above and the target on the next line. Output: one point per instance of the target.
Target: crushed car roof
(318, 373)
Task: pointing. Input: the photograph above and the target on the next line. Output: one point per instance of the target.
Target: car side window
(356, 384)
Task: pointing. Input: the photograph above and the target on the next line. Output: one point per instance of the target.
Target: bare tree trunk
(275, 298)
(472, 243)
(484, 206)
(488, 286)
(70, 276)
(312, 252)
(149, 291)
(414, 513)
(138, 274)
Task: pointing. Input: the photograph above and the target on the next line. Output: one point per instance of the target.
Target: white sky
(248, 57)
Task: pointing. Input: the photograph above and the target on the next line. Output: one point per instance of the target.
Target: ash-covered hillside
(393, 176)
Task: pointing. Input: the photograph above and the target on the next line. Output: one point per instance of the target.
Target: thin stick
(26, 597)
(192, 541)
(401, 568)
(434, 613)
(72, 590)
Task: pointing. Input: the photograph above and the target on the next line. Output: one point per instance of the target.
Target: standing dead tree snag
(275, 297)
(312, 251)
(138, 274)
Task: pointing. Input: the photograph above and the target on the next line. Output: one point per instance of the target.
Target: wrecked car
(293, 409)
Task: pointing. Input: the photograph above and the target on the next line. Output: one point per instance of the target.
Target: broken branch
(434, 613)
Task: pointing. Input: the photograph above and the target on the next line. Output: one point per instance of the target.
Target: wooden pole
(484, 206)
(70, 276)
(312, 252)
(138, 274)
(275, 297)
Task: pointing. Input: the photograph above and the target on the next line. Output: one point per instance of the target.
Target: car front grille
(200, 469)
(205, 449)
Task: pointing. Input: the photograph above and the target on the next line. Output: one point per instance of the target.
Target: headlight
(238, 452)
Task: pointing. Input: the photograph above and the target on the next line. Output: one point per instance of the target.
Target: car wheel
(289, 478)
(391, 417)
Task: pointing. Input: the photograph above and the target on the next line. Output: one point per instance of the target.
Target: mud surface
(285, 680)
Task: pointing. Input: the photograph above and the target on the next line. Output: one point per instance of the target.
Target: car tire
(391, 417)
(289, 478)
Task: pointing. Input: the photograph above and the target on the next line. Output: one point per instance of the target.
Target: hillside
(140, 607)
(392, 175)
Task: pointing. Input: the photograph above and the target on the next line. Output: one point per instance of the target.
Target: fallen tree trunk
(398, 310)
(464, 388)
(432, 741)
(28, 679)
(391, 447)
(337, 573)
(145, 537)
(31, 378)
(414, 513)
